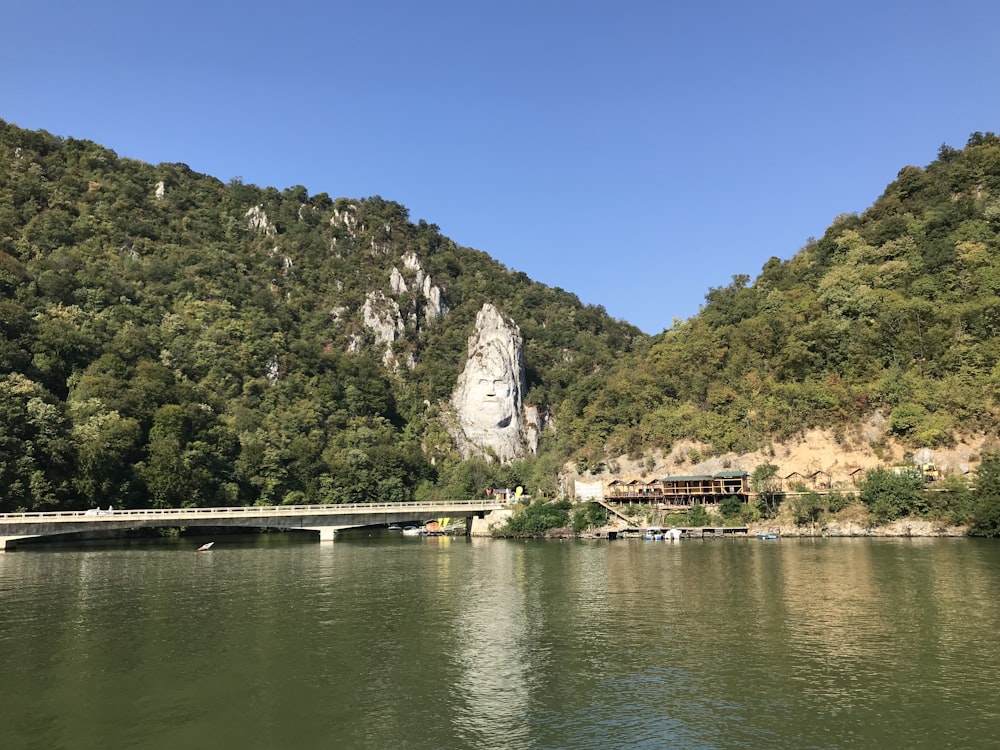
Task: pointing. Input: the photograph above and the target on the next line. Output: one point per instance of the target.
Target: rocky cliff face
(387, 320)
(487, 414)
(489, 397)
(433, 305)
(381, 316)
(258, 222)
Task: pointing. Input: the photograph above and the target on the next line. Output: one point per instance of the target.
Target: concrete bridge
(327, 520)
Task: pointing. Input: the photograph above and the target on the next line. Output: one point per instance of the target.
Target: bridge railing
(251, 510)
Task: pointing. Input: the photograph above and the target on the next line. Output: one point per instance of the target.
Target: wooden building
(791, 482)
(820, 480)
(682, 491)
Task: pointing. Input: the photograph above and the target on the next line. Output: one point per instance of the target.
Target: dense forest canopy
(169, 339)
(172, 340)
(895, 311)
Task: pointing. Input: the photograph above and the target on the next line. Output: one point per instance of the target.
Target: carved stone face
(489, 399)
(488, 396)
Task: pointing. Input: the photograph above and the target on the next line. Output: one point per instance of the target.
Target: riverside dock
(687, 532)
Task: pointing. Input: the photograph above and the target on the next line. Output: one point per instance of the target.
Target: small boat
(762, 535)
(673, 534)
(414, 531)
(206, 547)
(654, 535)
(395, 527)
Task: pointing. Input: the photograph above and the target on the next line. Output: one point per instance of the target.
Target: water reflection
(380, 642)
(492, 647)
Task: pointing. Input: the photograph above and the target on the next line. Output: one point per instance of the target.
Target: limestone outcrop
(396, 282)
(257, 221)
(434, 306)
(488, 400)
(382, 317)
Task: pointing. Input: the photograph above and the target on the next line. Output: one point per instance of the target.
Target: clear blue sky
(635, 153)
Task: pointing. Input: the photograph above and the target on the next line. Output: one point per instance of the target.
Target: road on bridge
(326, 519)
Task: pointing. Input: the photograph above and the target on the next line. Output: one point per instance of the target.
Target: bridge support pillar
(327, 533)
(7, 543)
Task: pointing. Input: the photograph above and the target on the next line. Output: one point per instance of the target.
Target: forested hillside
(893, 312)
(168, 339)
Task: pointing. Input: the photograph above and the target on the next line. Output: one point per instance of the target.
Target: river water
(388, 642)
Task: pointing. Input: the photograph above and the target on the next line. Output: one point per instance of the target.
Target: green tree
(698, 516)
(986, 495)
(537, 518)
(587, 516)
(889, 494)
(837, 501)
(107, 445)
(164, 471)
(951, 501)
(807, 508)
(36, 455)
(766, 483)
(731, 507)
(189, 458)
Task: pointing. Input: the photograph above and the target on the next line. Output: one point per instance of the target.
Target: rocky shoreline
(905, 527)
